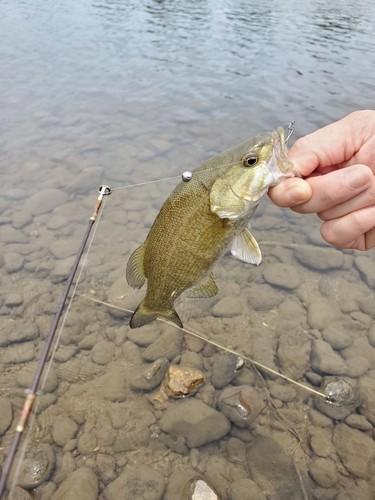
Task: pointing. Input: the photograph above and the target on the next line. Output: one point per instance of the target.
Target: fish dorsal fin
(224, 202)
(203, 289)
(135, 274)
(246, 248)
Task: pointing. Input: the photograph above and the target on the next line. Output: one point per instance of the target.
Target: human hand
(337, 164)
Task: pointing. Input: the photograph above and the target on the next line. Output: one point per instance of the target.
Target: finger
(364, 199)
(290, 192)
(350, 231)
(335, 188)
(329, 146)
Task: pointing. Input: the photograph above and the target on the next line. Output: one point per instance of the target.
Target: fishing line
(216, 344)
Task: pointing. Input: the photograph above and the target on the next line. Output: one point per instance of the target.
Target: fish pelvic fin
(144, 315)
(135, 274)
(203, 289)
(246, 248)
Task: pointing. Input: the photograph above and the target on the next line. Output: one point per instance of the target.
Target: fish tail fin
(144, 315)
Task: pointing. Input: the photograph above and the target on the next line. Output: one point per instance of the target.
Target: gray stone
(325, 360)
(294, 354)
(322, 313)
(356, 450)
(81, 484)
(61, 270)
(64, 248)
(336, 336)
(263, 297)
(13, 262)
(150, 377)
(167, 345)
(284, 393)
(57, 222)
(358, 422)
(357, 366)
(236, 450)
(245, 489)
(360, 347)
(45, 201)
(19, 353)
(320, 259)
(324, 472)
(19, 493)
(137, 482)
(367, 305)
(64, 429)
(146, 335)
(282, 275)
(273, 470)
(241, 404)
(37, 465)
(366, 268)
(371, 335)
(102, 353)
(26, 375)
(227, 307)
(319, 419)
(196, 422)
(6, 414)
(366, 389)
(13, 299)
(224, 369)
(321, 443)
(23, 333)
(10, 235)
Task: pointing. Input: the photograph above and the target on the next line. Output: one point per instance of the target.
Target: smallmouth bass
(200, 220)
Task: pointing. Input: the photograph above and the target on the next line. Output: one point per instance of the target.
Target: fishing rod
(32, 391)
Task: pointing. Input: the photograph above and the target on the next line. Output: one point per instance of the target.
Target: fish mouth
(279, 164)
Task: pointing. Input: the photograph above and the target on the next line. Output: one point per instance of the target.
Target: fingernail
(298, 194)
(356, 177)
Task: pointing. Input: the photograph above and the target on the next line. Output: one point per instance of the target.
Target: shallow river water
(124, 93)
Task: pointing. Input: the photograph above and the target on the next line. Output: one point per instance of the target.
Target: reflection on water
(129, 92)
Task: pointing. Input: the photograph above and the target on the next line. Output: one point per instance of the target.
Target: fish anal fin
(246, 248)
(135, 274)
(203, 289)
(144, 315)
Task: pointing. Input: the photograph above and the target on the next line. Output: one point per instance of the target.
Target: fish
(200, 220)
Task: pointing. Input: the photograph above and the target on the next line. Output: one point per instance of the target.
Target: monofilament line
(209, 341)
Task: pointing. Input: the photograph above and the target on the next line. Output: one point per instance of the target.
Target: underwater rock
(13, 299)
(146, 335)
(151, 376)
(335, 335)
(23, 333)
(102, 353)
(321, 443)
(167, 345)
(284, 393)
(137, 482)
(357, 366)
(273, 470)
(183, 380)
(196, 422)
(319, 259)
(293, 353)
(366, 389)
(263, 297)
(324, 472)
(45, 200)
(19, 493)
(355, 449)
(366, 267)
(13, 262)
(10, 235)
(6, 414)
(325, 360)
(358, 422)
(241, 404)
(61, 270)
(21, 218)
(282, 275)
(227, 307)
(37, 465)
(236, 450)
(321, 313)
(192, 359)
(224, 369)
(19, 353)
(81, 484)
(245, 488)
(345, 398)
(64, 429)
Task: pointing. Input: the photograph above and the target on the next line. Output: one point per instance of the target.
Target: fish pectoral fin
(246, 248)
(203, 289)
(144, 315)
(135, 274)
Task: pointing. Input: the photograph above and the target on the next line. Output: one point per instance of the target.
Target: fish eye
(249, 161)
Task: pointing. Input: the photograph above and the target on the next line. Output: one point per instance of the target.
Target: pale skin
(337, 166)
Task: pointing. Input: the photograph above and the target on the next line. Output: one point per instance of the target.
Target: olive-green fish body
(198, 223)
